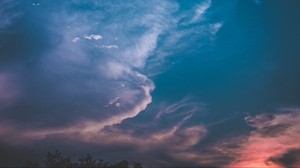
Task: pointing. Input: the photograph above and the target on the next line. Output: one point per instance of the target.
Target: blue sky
(184, 83)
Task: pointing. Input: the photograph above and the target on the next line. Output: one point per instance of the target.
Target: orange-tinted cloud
(274, 135)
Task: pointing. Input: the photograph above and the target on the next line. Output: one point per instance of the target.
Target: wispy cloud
(108, 46)
(200, 11)
(258, 2)
(76, 39)
(174, 140)
(274, 136)
(93, 37)
(214, 28)
(138, 54)
(186, 105)
(7, 15)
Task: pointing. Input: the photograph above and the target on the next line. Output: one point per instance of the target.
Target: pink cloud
(174, 141)
(274, 136)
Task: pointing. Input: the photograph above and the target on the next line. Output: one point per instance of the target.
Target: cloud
(8, 14)
(258, 2)
(36, 4)
(274, 135)
(137, 55)
(113, 102)
(273, 143)
(76, 39)
(115, 70)
(289, 159)
(93, 37)
(186, 105)
(173, 140)
(78, 80)
(214, 28)
(105, 74)
(78, 92)
(107, 46)
(200, 10)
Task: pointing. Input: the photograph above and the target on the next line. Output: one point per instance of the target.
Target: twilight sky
(162, 82)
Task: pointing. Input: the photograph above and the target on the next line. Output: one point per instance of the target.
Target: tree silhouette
(122, 164)
(31, 164)
(89, 162)
(57, 160)
(137, 165)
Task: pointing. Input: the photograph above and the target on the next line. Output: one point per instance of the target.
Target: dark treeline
(57, 160)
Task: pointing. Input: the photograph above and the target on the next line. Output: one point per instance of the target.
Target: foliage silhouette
(57, 160)
(122, 164)
(89, 162)
(137, 165)
(31, 164)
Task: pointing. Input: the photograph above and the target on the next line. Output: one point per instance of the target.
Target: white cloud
(214, 28)
(76, 39)
(113, 102)
(137, 55)
(200, 10)
(107, 46)
(115, 70)
(186, 103)
(8, 15)
(93, 37)
(35, 4)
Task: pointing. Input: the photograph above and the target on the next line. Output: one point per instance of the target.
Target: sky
(166, 83)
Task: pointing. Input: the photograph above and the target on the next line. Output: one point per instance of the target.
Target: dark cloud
(289, 159)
